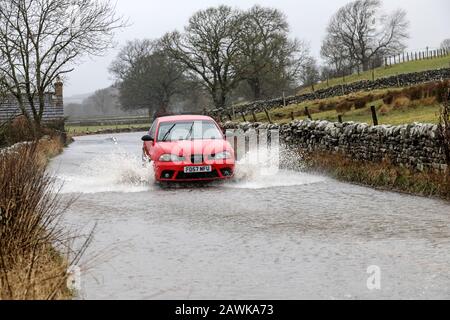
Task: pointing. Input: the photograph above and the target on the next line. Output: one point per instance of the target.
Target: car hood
(205, 147)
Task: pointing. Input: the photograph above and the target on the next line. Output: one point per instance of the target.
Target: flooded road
(285, 236)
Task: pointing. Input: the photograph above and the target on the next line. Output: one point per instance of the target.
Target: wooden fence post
(374, 115)
(268, 116)
(292, 116)
(308, 114)
(340, 118)
(254, 116)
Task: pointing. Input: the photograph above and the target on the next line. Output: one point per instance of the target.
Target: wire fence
(426, 54)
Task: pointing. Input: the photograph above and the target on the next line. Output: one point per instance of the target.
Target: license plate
(198, 169)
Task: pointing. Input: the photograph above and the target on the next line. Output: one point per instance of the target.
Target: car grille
(197, 176)
(197, 159)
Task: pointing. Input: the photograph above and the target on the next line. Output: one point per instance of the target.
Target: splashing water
(99, 164)
(260, 169)
(109, 173)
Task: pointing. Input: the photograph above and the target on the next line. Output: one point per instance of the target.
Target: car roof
(184, 118)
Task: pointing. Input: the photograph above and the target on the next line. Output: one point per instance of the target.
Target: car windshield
(188, 130)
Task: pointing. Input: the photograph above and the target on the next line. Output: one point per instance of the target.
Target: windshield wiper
(164, 139)
(190, 131)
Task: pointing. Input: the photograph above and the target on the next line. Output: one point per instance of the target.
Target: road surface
(285, 236)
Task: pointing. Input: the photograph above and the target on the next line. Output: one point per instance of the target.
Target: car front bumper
(174, 172)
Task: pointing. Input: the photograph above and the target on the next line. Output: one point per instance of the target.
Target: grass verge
(382, 175)
(31, 268)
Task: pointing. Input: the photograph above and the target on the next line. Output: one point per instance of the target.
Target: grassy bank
(30, 266)
(395, 106)
(381, 175)
(382, 72)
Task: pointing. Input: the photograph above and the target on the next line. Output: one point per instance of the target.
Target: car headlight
(171, 158)
(221, 156)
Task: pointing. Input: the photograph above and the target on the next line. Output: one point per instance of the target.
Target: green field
(407, 67)
(80, 130)
(422, 114)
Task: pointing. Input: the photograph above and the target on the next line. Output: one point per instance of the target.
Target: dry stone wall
(417, 146)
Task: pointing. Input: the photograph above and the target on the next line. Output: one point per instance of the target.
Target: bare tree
(129, 55)
(148, 78)
(269, 59)
(209, 48)
(3, 89)
(445, 44)
(337, 58)
(102, 100)
(310, 74)
(365, 32)
(40, 40)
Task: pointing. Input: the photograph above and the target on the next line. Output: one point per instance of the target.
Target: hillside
(420, 103)
(401, 68)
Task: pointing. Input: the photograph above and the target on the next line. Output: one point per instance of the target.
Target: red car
(187, 149)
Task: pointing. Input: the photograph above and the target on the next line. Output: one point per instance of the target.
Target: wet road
(288, 236)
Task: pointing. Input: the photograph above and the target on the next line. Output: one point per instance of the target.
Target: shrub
(327, 106)
(401, 102)
(384, 110)
(278, 115)
(388, 98)
(361, 103)
(30, 267)
(16, 131)
(430, 101)
(441, 91)
(344, 107)
(415, 93)
(322, 106)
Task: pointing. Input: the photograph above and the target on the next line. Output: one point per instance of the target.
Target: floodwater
(284, 236)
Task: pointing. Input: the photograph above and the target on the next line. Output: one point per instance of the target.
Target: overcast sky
(308, 19)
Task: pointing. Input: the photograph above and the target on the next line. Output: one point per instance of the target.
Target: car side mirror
(147, 138)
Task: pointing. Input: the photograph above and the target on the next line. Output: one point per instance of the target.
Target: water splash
(261, 169)
(114, 172)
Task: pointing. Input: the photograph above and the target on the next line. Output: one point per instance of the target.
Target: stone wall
(403, 80)
(415, 146)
